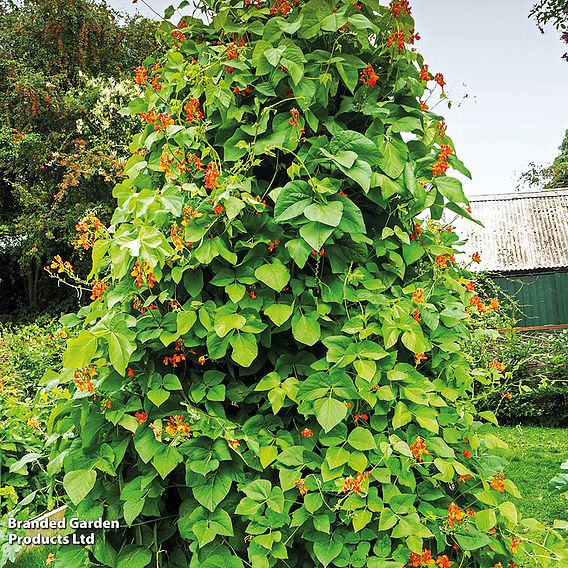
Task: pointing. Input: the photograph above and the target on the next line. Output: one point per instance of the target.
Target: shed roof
(522, 231)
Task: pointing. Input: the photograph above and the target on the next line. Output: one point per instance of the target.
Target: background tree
(66, 66)
(553, 176)
(553, 12)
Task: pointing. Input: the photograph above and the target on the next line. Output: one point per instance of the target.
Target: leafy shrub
(271, 372)
(26, 353)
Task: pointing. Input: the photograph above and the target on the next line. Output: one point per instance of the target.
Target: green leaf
(245, 349)
(361, 519)
(361, 439)
(133, 555)
(392, 161)
(451, 189)
(225, 323)
(327, 550)
(158, 396)
(120, 348)
(472, 540)
(279, 313)
(306, 329)
(412, 252)
(387, 519)
(330, 412)
(79, 483)
(401, 416)
(166, 459)
(360, 172)
(216, 487)
(293, 198)
(275, 275)
(326, 213)
(485, 520)
(80, 350)
(185, 321)
(315, 234)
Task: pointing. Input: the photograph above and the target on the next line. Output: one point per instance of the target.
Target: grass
(535, 456)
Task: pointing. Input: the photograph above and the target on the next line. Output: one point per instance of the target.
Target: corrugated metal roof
(522, 231)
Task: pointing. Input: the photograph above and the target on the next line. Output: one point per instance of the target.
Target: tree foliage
(271, 372)
(554, 12)
(59, 62)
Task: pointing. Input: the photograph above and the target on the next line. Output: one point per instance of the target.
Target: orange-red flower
(301, 485)
(398, 39)
(141, 417)
(515, 544)
(418, 296)
(418, 449)
(467, 454)
(424, 73)
(470, 286)
(497, 365)
(218, 209)
(141, 75)
(494, 303)
(354, 484)
(415, 314)
(368, 76)
(397, 8)
(419, 358)
(475, 257)
(444, 561)
(192, 110)
(497, 482)
(294, 115)
(211, 175)
(424, 106)
(455, 514)
(439, 78)
(307, 433)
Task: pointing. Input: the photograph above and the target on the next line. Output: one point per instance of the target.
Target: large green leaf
(215, 488)
(330, 412)
(306, 329)
(451, 189)
(315, 234)
(326, 213)
(361, 439)
(80, 350)
(245, 349)
(79, 483)
(274, 275)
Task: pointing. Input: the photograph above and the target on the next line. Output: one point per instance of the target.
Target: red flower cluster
(175, 359)
(418, 449)
(477, 302)
(282, 7)
(141, 75)
(90, 227)
(243, 92)
(142, 271)
(497, 365)
(294, 115)
(218, 209)
(307, 433)
(441, 166)
(424, 106)
(141, 417)
(369, 77)
(475, 257)
(443, 259)
(415, 314)
(211, 175)
(419, 358)
(418, 296)
(424, 73)
(515, 544)
(439, 78)
(398, 39)
(497, 482)
(301, 485)
(177, 425)
(354, 484)
(273, 245)
(83, 379)
(192, 110)
(161, 120)
(397, 8)
(98, 288)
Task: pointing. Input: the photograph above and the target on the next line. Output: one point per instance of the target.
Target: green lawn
(535, 456)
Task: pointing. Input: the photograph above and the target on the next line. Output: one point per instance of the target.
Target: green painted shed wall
(543, 297)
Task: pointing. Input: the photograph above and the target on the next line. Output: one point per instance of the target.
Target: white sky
(514, 78)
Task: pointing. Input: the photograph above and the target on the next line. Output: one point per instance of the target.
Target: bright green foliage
(277, 364)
